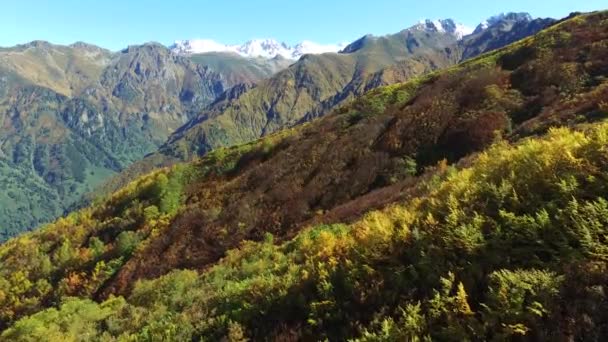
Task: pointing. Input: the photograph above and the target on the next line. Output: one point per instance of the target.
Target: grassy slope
(65, 69)
(490, 227)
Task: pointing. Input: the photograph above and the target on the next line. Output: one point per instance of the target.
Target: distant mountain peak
(358, 44)
(502, 17)
(40, 44)
(91, 48)
(145, 48)
(443, 26)
(267, 48)
(264, 48)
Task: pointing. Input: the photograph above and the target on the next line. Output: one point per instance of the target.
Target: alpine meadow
(440, 183)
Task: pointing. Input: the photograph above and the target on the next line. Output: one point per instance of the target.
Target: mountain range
(270, 48)
(455, 199)
(71, 116)
(318, 83)
(75, 116)
(265, 48)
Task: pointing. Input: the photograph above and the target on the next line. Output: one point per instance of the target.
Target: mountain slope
(285, 182)
(239, 70)
(316, 84)
(501, 30)
(444, 266)
(438, 259)
(67, 70)
(124, 105)
(72, 116)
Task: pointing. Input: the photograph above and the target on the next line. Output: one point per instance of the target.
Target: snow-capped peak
(444, 26)
(201, 46)
(519, 17)
(265, 48)
(308, 47)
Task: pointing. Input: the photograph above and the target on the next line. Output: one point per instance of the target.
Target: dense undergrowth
(512, 246)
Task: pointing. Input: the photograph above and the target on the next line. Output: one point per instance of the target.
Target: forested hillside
(445, 208)
(483, 253)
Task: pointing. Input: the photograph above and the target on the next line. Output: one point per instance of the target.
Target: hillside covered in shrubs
(448, 207)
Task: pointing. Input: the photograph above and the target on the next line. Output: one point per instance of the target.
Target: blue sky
(115, 24)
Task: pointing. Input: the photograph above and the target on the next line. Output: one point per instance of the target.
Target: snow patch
(444, 26)
(264, 48)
